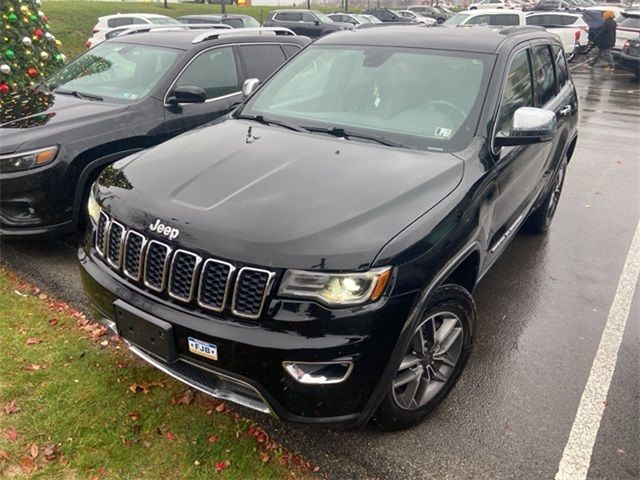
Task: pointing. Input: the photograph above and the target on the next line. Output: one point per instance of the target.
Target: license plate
(203, 349)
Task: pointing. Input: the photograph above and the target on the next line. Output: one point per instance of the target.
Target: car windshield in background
(163, 21)
(251, 22)
(457, 19)
(121, 71)
(323, 17)
(630, 22)
(422, 99)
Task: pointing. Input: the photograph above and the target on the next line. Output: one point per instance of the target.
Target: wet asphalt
(542, 309)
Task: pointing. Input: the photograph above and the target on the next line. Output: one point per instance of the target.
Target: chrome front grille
(184, 276)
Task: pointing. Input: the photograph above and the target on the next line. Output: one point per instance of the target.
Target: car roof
(295, 10)
(137, 15)
(493, 11)
(183, 39)
(215, 15)
(466, 39)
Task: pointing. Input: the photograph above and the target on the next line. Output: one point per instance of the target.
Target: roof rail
(213, 35)
(522, 29)
(173, 28)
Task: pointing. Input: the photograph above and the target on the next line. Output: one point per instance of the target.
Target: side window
(214, 71)
(308, 17)
(535, 20)
(294, 17)
(543, 74)
(119, 21)
(290, 50)
(233, 22)
(260, 61)
(517, 90)
(561, 67)
(281, 17)
(479, 20)
(504, 20)
(138, 21)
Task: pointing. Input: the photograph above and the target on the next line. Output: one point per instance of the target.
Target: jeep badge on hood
(165, 230)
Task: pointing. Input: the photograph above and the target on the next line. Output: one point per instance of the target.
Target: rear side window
(214, 71)
(233, 22)
(260, 61)
(543, 74)
(517, 91)
(479, 20)
(119, 21)
(630, 22)
(504, 20)
(562, 72)
(308, 17)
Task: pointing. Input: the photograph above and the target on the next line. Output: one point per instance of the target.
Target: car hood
(269, 196)
(34, 117)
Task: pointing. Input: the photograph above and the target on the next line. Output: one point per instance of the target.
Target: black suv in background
(310, 23)
(124, 95)
(314, 254)
(386, 15)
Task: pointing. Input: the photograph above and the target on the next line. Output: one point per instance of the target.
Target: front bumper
(33, 202)
(249, 369)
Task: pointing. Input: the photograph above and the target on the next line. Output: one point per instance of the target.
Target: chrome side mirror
(530, 125)
(249, 85)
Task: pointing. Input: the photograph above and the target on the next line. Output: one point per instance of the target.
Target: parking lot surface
(542, 312)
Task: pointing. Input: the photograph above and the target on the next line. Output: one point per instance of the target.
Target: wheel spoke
(418, 342)
(410, 392)
(435, 375)
(408, 361)
(448, 342)
(406, 377)
(444, 358)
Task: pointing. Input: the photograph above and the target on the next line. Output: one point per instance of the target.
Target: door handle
(565, 111)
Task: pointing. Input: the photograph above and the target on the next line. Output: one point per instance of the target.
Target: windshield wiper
(269, 121)
(347, 135)
(83, 96)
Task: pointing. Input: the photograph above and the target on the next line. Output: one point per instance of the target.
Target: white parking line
(576, 457)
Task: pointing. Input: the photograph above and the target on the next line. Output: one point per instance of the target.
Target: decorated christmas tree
(28, 52)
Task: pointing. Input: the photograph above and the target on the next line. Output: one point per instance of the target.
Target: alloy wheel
(430, 361)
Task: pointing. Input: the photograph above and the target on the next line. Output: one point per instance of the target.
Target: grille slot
(214, 284)
(101, 232)
(182, 275)
(115, 239)
(155, 266)
(134, 244)
(252, 286)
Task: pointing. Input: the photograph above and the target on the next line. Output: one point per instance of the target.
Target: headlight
(93, 208)
(15, 162)
(336, 289)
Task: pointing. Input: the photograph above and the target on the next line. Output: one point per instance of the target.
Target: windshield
(120, 71)
(163, 21)
(457, 19)
(373, 19)
(415, 97)
(251, 22)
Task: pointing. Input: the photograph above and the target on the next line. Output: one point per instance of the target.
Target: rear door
(217, 72)
(260, 60)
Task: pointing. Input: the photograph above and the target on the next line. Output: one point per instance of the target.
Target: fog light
(319, 373)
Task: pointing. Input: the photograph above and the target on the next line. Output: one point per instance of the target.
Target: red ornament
(32, 72)
(4, 88)
(38, 33)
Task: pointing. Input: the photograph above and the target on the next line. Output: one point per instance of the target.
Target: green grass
(72, 21)
(79, 404)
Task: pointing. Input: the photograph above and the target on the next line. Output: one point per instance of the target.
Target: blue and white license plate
(203, 349)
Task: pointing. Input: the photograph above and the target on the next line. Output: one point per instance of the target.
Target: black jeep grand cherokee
(313, 254)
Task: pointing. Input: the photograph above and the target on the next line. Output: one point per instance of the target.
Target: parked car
(417, 17)
(629, 57)
(492, 4)
(126, 94)
(311, 23)
(569, 35)
(573, 30)
(439, 14)
(108, 22)
(233, 20)
(627, 29)
(314, 254)
(351, 18)
(387, 15)
(371, 18)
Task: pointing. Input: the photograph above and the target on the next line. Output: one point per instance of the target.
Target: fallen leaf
(11, 408)
(184, 398)
(50, 452)
(12, 435)
(220, 407)
(145, 387)
(98, 331)
(4, 455)
(42, 296)
(221, 466)
(53, 322)
(33, 341)
(28, 464)
(212, 439)
(264, 457)
(170, 436)
(33, 450)
(135, 416)
(33, 367)
(20, 293)
(620, 450)
(196, 463)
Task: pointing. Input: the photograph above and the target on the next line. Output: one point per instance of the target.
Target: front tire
(540, 220)
(437, 354)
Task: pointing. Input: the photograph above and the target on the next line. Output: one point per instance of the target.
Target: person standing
(605, 40)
